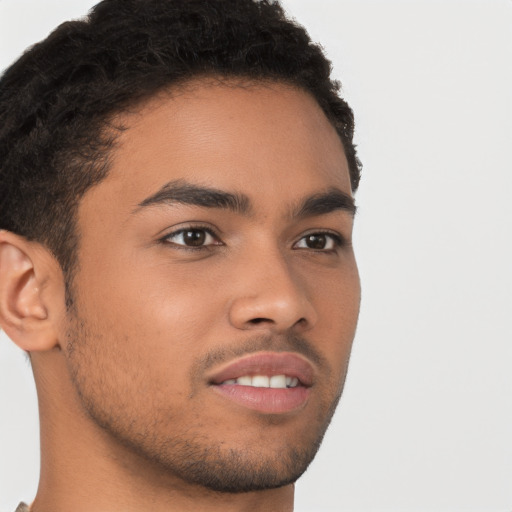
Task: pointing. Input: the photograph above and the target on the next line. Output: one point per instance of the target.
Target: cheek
(139, 325)
(152, 300)
(337, 302)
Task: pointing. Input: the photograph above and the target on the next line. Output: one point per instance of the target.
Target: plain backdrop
(425, 424)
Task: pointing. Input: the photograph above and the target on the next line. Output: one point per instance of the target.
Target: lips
(267, 382)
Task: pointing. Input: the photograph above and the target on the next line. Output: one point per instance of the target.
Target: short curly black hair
(59, 98)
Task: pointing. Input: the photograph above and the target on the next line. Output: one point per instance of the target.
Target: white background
(426, 420)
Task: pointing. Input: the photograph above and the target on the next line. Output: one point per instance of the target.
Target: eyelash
(206, 229)
(337, 240)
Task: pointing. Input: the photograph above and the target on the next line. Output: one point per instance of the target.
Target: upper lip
(266, 363)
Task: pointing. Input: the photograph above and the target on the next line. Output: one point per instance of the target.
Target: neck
(85, 469)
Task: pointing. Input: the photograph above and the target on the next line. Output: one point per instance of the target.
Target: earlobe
(24, 314)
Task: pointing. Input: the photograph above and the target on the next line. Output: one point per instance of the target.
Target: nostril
(257, 321)
(262, 320)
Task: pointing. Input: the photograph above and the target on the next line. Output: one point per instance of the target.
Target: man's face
(215, 258)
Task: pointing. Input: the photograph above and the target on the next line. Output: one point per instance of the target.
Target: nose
(269, 296)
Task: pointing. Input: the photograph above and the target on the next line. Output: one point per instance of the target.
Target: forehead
(256, 138)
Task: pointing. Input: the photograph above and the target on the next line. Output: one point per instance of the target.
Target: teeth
(264, 381)
(277, 381)
(260, 381)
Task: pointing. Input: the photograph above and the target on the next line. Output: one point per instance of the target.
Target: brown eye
(194, 238)
(316, 241)
(197, 237)
(319, 242)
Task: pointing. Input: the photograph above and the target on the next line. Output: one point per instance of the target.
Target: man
(176, 211)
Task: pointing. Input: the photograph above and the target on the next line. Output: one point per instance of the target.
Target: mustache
(260, 343)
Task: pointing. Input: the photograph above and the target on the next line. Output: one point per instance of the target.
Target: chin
(241, 472)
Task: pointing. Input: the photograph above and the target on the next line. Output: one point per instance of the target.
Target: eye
(319, 242)
(192, 237)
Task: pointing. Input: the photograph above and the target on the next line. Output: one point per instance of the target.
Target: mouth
(264, 381)
(271, 383)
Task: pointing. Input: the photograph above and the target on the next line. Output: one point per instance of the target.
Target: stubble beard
(191, 456)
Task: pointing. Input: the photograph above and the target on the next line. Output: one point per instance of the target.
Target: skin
(124, 377)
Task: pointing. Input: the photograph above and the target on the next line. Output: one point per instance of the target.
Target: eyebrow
(320, 204)
(183, 192)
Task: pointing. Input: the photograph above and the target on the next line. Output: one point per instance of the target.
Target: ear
(31, 287)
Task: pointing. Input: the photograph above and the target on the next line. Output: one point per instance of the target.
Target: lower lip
(265, 400)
